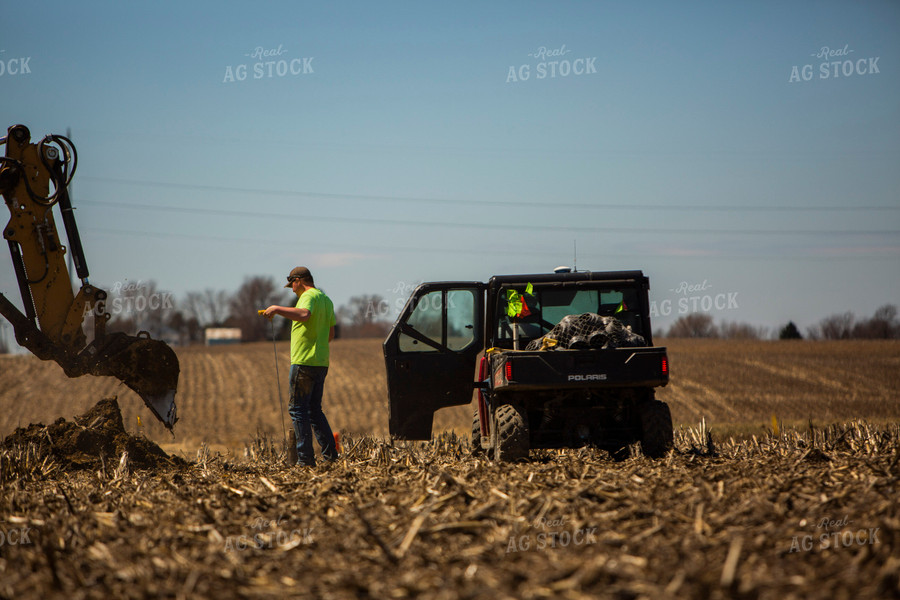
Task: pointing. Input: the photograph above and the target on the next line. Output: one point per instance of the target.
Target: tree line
(143, 307)
(882, 325)
(365, 316)
(184, 322)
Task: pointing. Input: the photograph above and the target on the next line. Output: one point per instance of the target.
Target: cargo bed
(567, 369)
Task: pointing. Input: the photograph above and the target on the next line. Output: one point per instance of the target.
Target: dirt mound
(91, 440)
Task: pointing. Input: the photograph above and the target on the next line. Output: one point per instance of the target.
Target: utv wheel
(510, 434)
(476, 434)
(657, 435)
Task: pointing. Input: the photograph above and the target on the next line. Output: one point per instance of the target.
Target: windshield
(545, 306)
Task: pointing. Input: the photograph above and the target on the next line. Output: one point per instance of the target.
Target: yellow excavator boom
(34, 178)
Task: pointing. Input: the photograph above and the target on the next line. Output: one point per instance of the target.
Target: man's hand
(292, 313)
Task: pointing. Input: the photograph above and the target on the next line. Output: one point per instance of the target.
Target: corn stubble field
(808, 510)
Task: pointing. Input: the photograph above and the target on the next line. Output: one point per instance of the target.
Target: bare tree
(209, 307)
(837, 327)
(187, 330)
(694, 325)
(254, 294)
(882, 326)
(364, 316)
(742, 331)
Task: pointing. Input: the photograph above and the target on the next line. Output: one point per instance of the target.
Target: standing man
(311, 331)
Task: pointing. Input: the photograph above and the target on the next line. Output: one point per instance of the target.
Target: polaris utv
(563, 360)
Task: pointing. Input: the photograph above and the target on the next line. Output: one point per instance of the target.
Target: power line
(476, 251)
(382, 147)
(482, 203)
(280, 242)
(484, 226)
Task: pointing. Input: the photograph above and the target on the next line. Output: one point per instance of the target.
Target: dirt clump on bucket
(90, 441)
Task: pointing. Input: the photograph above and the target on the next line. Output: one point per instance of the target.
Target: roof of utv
(499, 280)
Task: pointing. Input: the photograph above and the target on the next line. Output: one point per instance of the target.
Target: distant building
(216, 336)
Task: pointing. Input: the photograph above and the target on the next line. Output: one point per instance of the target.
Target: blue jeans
(305, 408)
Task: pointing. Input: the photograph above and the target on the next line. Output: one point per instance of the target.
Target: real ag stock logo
(19, 536)
(14, 66)
(836, 62)
(552, 534)
(553, 63)
(833, 534)
(269, 63)
(267, 533)
(132, 298)
(694, 297)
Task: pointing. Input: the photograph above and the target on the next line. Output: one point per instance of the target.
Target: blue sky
(408, 154)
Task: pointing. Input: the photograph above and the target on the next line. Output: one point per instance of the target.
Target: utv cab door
(430, 354)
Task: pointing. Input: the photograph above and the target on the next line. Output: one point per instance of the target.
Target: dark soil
(757, 520)
(92, 440)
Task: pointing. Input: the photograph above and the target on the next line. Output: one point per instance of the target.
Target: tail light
(482, 375)
(665, 365)
(509, 371)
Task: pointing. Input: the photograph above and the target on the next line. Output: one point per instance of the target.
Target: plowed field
(228, 393)
(809, 512)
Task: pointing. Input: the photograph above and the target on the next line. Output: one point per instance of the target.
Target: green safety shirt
(309, 339)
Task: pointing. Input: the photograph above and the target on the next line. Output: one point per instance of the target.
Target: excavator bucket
(147, 366)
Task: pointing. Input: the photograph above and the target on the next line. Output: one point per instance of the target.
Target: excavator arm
(34, 177)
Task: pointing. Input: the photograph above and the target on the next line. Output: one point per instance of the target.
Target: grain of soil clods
(797, 515)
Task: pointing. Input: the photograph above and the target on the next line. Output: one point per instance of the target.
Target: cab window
(426, 320)
(549, 305)
(453, 328)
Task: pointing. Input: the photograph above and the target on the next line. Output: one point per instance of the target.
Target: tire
(510, 434)
(476, 435)
(657, 433)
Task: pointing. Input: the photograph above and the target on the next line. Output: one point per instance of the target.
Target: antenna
(574, 256)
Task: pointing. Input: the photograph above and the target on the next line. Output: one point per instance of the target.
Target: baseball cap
(301, 272)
